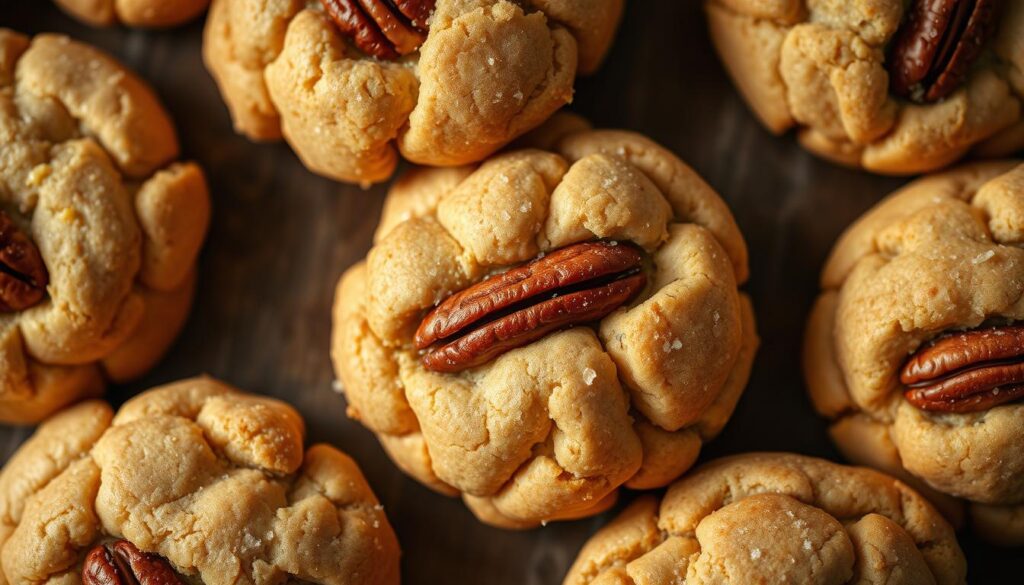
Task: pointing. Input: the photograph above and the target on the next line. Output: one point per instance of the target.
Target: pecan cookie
(141, 13)
(892, 86)
(775, 518)
(914, 348)
(351, 83)
(537, 331)
(99, 229)
(193, 482)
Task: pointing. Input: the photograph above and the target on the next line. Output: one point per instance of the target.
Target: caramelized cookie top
(506, 309)
(775, 518)
(195, 478)
(98, 225)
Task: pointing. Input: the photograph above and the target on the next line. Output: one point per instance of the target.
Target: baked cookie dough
(910, 348)
(213, 483)
(832, 71)
(775, 518)
(487, 71)
(139, 13)
(99, 228)
(552, 428)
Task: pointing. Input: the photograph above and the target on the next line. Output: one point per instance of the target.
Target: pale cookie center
(772, 538)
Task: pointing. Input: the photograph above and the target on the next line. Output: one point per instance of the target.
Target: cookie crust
(818, 67)
(775, 518)
(86, 168)
(531, 436)
(488, 72)
(941, 254)
(214, 480)
(136, 13)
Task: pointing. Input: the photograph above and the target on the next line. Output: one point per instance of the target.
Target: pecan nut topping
(967, 372)
(576, 284)
(124, 564)
(23, 275)
(937, 44)
(386, 29)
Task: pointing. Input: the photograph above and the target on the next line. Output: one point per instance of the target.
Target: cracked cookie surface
(820, 67)
(87, 173)
(775, 518)
(939, 256)
(551, 430)
(140, 13)
(488, 71)
(213, 480)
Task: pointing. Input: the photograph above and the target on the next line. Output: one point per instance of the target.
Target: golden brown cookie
(912, 350)
(551, 428)
(775, 518)
(214, 481)
(99, 228)
(140, 13)
(841, 73)
(444, 90)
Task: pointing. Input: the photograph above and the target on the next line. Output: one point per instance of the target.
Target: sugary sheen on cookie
(331, 78)
(914, 348)
(775, 518)
(99, 227)
(536, 331)
(891, 86)
(193, 482)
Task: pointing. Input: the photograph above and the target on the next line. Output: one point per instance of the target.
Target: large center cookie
(211, 483)
(350, 83)
(913, 349)
(554, 421)
(99, 229)
(775, 518)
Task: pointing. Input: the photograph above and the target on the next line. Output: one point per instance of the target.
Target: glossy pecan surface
(386, 29)
(938, 42)
(23, 275)
(967, 372)
(576, 284)
(122, 563)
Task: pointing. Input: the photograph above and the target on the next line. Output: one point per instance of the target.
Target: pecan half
(124, 564)
(385, 29)
(967, 372)
(937, 44)
(576, 284)
(23, 275)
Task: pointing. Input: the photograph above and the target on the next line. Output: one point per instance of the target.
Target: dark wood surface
(281, 236)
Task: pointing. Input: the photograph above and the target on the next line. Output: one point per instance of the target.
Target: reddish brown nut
(937, 44)
(385, 29)
(23, 275)
(124, 564)
(967, 372)
(580, 283)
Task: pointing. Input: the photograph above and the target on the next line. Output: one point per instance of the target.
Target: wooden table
(281, 236)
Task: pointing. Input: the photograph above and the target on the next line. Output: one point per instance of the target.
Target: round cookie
(931, 275)
(99, 228)
(832, 71)
(213, 481)
(470, 77)
(775, 518)
(550, 429)
(138, 13)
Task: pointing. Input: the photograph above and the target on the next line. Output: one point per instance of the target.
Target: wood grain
(281, 237)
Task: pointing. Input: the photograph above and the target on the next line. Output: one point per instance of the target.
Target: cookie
(212, 484)
(99, 227)
(535, 331)
(912, 349)
(449, 86)
(867, 84)
(775, 518)
(136, 13)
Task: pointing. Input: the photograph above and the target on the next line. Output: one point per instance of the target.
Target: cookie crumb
(337, 386)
